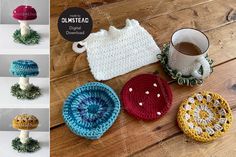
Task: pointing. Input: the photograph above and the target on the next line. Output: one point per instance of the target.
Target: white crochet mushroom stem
(24, 28)
(24, 83)
(24, 136)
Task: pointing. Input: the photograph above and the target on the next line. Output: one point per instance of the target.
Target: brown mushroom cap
(25, 122)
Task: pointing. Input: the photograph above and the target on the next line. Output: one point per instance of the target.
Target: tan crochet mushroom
(24, 123)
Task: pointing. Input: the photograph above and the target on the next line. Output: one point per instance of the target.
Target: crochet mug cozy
(146, 97)
(118, 51)
(91, 109)
(204, 116)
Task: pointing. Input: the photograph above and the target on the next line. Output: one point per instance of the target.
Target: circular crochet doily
(146, 97)
(91, 109)
(204, 116)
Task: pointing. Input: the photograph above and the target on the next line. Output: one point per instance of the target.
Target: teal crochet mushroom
(24, 69)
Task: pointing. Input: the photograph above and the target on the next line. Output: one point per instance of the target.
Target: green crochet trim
(29, 147)
(181, 79)
(30, 93)
(32, 38)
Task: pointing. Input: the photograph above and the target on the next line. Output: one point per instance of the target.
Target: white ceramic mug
(189, 64)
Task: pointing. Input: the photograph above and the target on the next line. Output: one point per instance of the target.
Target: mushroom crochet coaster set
(25, 35)
(146, 97)
(118, 51)
(204, 116)
(91, 109)
(25, 123)
(24, 69)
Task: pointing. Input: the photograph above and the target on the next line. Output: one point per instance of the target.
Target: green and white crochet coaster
(176, 75)
(30, 93)
(31, 39)
(30, 147)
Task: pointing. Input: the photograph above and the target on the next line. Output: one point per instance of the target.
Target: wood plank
(128, 135)
(184, 146)
(57, 7)
(64, 61)
(62, 87)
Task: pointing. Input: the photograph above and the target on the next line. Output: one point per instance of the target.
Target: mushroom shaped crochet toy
(24, 69)
(25, 123)
(25, 35)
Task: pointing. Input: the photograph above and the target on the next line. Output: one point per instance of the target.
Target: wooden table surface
(128, 136)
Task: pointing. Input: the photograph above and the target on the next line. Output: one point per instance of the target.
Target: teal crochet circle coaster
(90, 110)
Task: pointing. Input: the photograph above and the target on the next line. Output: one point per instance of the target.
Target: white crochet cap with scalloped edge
(118, 51)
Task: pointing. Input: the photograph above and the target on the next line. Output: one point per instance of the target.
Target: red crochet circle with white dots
(146, 97)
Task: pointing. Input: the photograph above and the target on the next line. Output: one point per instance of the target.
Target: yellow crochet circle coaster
(204, 116)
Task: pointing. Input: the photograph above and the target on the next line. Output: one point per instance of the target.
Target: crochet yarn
(24, 13)
(24, 68)
(30, 93)
(204, 116)
(118, 51)
(176, 75)
(146, 97)
(31, 39)
(29, 147)
(25, 122)
(90, 110)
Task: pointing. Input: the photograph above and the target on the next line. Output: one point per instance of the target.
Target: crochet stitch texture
(118, 51)
(204, 116)
(24, 68)
(146, 97)
(90, 110)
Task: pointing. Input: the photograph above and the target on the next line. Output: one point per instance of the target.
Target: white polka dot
(140, 104)
(147, 92)
(154, 84)
(158, 113)
(158, 95)
(130, 89)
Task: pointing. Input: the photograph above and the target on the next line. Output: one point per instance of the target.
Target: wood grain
(63, 58)
(57, 7)
(222, 39)
(184, 146)
(128, 135)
